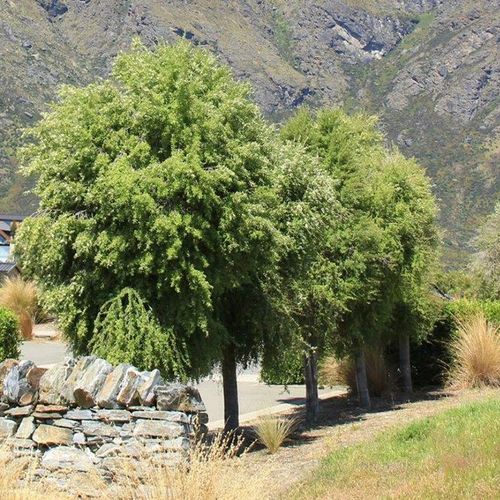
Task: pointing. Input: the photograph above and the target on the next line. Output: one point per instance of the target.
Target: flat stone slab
(46, 416)
(171, 416)
(20, 411)
(158, 428)
(114, 415)
(65, 457)
(7, 427)
(51, 408)
(100, 429)
(80, 415)
(52, 435)
(64, 422)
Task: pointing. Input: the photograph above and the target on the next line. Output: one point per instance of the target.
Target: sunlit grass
(476, 354)
(272, 431)
(452, 455)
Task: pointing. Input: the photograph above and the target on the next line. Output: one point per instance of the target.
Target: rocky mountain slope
(429, 68)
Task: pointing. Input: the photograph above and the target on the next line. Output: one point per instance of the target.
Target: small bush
(476, 354)
(9, 335)
(432, 358)
(343, 372)
(272, 431)
(20, 297)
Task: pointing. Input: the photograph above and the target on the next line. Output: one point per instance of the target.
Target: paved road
(253, 395)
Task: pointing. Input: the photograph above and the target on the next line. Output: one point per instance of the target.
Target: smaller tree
(486, 261)
(305, 292)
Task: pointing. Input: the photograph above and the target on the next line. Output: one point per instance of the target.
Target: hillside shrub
(20, 297)
(475, 352)
(379, 372)
(432, 358)
(10, 339)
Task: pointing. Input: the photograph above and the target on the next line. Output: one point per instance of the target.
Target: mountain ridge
(428, 68)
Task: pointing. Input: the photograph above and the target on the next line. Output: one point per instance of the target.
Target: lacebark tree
(156, 180)
(306, 295)
(375, 251)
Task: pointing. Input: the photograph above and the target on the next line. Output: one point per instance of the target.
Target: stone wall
(84, 414)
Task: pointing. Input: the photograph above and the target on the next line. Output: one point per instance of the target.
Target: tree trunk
(311, 379)
(230, 387)
(362, 380)
(404, 362)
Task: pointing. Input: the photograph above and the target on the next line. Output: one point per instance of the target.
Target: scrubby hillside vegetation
(427, 67)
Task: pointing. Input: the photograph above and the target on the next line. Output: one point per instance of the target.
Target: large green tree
(305, 290)
(380, 246)
(155, 187)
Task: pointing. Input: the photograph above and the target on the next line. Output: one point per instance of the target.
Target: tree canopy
(157, 180)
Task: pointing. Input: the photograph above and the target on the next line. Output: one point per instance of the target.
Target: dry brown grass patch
(335, 371)
(20, 297)
(476, 354)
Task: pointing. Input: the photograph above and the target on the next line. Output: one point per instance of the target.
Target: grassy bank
(452, 455)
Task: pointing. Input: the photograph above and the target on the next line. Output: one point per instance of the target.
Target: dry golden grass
(17, 482)
(335, 371)
(272, 431)
(476, 354)
(20, 297)
(211, 471)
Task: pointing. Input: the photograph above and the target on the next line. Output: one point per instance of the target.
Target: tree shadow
(341, 410)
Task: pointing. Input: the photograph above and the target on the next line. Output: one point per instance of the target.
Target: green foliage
(10, 339)
(126, 331)
(283, 365)
(465, 309)
(383, 242)
(157, 179)
(486, 261)
(431, 359)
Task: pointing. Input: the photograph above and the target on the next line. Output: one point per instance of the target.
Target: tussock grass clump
(476, 354)
(21, 298)
(272, 431)
(335, 371)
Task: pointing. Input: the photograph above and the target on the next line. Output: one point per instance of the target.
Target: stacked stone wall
(84, 414)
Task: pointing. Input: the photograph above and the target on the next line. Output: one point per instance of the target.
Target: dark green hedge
(10, 339)
(431, 359)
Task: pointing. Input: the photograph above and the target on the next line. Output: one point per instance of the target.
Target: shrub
(432, 358)
(476, 354)
(20, 297)
(9, 335)
(273, 431)
(342, 372)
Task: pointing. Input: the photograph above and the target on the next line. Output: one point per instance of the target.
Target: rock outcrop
(429, 68)
(82, 415)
